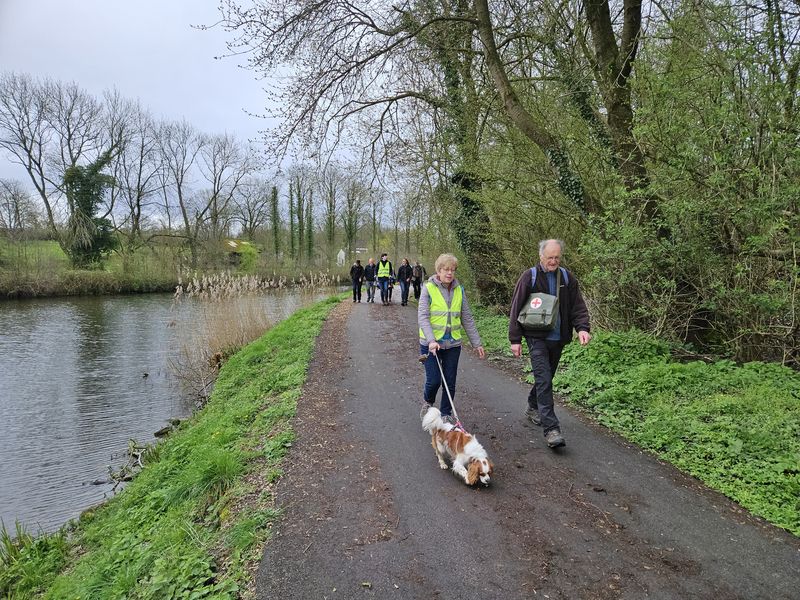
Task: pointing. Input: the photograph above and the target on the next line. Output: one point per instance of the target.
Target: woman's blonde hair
(445, 260)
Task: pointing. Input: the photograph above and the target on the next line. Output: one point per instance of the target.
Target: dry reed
(219, 286)
(231, 317)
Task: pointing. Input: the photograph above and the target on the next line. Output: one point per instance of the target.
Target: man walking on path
(357, 277)
(418, 275)
(385, 272)
(371, 276)
(545, 346)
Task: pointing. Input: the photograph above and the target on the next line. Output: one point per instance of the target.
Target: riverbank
(82, 283)
(42, 270)
(191, 519)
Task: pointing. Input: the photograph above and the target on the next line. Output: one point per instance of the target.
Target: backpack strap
(563, 274)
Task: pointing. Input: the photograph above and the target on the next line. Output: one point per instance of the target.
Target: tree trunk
(569, 182)
(613, 67)
(474, 234)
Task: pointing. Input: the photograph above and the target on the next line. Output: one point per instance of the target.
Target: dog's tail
(432, 421)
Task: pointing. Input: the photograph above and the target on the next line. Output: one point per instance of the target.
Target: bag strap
(558, 283)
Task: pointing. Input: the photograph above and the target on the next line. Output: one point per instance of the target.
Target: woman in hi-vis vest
(444, 316)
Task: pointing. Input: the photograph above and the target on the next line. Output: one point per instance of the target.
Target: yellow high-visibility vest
(443, 318)
(384, 270)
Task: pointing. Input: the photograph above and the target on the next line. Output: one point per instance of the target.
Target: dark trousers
(545, 355)
(370, 290)
(357, 291)
(433, 378)
(384, 283)
(404, 292)
(417, 283)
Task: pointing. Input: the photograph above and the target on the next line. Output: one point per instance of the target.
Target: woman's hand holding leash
(433, 347)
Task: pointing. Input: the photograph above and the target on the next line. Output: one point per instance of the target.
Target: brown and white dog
(470, 461)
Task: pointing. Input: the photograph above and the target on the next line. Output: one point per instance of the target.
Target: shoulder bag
(540, 311)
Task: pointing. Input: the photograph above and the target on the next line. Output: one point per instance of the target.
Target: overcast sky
(147, 49)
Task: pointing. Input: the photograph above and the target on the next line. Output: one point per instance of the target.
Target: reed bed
(205, 343)
(232, 316)
(221, 286)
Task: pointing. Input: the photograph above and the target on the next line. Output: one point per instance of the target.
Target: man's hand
(516, 350)
(481, 352)
(584, 337)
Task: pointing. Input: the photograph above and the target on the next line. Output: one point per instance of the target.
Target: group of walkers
(444, 318)
(383, 276)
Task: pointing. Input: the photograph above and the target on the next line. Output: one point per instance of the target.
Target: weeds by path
(735, 427)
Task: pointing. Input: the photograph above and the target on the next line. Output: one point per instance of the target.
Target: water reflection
(81, 377)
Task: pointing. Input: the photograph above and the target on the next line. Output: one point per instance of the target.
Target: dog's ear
(473, 472)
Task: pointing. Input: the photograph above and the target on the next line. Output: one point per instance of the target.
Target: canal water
(82, 376)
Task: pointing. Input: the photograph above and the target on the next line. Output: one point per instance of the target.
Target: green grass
(179, 529)
(735, 427)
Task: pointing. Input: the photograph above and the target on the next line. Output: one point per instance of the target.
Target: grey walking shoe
(554, 438)
(533, 416)
(449, 419)
(424, 409)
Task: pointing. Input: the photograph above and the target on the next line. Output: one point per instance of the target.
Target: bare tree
(252, 203)
(78, 127)
(49, 127)
(25, 133)
(180, 145)
(224, 164)
(17, 210)
(138, 169)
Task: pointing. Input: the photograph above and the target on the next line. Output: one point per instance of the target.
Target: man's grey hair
(544, 243)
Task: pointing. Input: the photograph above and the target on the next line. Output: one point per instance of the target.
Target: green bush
(737, 428)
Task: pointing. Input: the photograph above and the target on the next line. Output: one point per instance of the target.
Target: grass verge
(194, 520)
(734, 427)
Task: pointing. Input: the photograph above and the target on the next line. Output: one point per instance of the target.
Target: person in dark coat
(418, 275)
(371, 277)
(404, 275)
(545, 346)
(357, 277)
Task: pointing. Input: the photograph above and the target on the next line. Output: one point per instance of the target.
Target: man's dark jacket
(571, 306)
(356, 272)
(370, 272)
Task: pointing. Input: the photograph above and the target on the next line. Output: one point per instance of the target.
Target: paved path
(368, 512)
